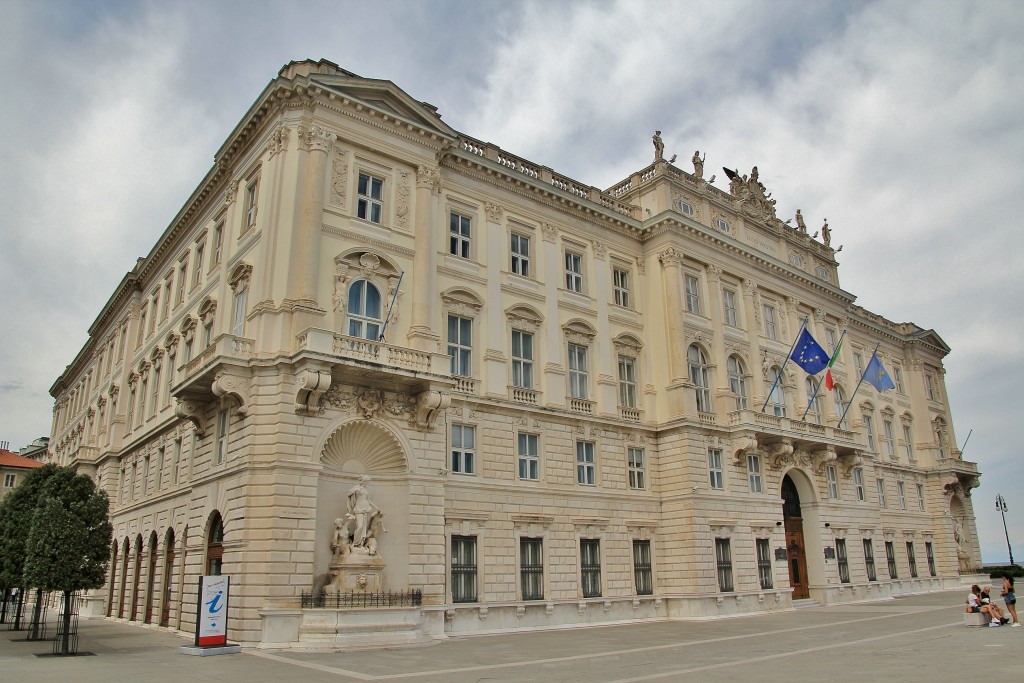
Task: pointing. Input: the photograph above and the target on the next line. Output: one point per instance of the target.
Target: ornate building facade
(556, 399)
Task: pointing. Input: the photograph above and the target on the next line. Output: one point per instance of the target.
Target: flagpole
(862, 376)
(391, 307)
(779, 376)
(820, 381)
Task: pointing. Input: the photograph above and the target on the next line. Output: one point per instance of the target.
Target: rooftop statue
(826, 234)
(698, 164)
(800, 222)
(659, 146)
(755, 200)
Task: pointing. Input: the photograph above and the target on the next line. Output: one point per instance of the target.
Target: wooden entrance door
(795, 550)
(797, 557)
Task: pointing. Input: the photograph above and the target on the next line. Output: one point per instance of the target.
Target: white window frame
(770, 328)
(869, 428)
(920, 497)
(729, 307)
(627, 381)
(716, 475)
(777, 393)
(620, 287)
(901, 490)
(880, 488)
(10, 481)
(522, 359)
(463, 460)
(573, 271)
(252, 189)
(579, 377)
(370, 198)
(520, 254)
(814, 406)
(888, 437)
(360, 321)
(897, 378)
(692, 284)
(460, 235)
(460, 349)
(217, 252)
(754, 473)
(908, 442)
(737, 381)
(858, 483)
(833, 482)
(586, 463)
(528, 456)
(221, 443)
(637, 468)
(700, 376)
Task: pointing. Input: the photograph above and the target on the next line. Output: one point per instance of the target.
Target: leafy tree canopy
(69, 540)
(16, 513)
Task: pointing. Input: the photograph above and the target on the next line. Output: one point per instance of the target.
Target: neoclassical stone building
(561, 395)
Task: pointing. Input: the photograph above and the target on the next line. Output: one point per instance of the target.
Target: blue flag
(809, 355)
(876, 375)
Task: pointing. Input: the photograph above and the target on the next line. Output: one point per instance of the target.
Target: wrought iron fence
(338, 600)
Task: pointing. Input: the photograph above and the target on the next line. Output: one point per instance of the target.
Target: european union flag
(808, 354)
(875, 374)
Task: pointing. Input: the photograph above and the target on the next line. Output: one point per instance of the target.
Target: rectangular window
(643, 573)
(217, 251)
(238, 314)
(908, 443)
(833, 483)
(889, 438)
(463, 568)
(176, 461)
(764, 563)
(897, 378)
(182, 276)
(729, 302)
(10, 481)
(723, 563)
(901, 490)
(531, 568)
(869, 560)
(197, 268)
(858, 483)
(154, 404)
(529, 457)
(578, 378)
(143, 391)
(858, 363)
(586, 469)
(221, 445)
(692, 294)
(130, 422)
(637, 473)
(842, 560)
(769, 322)
(715, 473)
(143, 316)
(145, 475)
(522, 359)
(627, 382)
(930, 554)
(168, 289)
(574, 272)
(459, 235)
(155, 306)
(620, 287)
(920, 497)
(869, 427)
(463, 449)
(912, 559)
(460, 345)
(831, 338)
(890, 559)
(754, 473)
(208, 333)
(590, 567)
(370, 203)
(251, 196)
(520, 255)
(929, 381)
(880, 485)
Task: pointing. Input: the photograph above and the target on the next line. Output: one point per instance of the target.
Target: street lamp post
(1001, 506)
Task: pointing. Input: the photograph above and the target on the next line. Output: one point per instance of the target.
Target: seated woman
(973, 599)
(990, 608)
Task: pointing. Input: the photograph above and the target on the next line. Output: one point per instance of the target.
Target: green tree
(69, 541)
(16, 513)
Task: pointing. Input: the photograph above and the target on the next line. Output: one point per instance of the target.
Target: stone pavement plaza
(915, 638)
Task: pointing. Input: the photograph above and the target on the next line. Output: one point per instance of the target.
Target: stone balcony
(788, 439)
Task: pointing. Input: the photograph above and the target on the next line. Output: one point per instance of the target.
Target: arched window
(840, 404)
(699, 376)
(215, 545)
(777, 397)
(364, 310)
(813, 405)
(737, 382)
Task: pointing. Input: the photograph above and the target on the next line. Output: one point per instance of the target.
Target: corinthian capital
(428, 178)
(317, 138)
(671, 257)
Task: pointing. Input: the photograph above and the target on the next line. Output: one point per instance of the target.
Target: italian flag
(829, 382)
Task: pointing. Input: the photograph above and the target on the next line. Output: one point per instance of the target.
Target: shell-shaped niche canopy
(360, 447)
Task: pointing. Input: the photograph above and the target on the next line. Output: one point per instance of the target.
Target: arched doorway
(215, 546)
(150, 580)
(137, 559)
(113, 579)
(125, 552)
(165, 605)
(792, 516)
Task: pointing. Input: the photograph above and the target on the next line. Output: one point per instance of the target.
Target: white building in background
(555, 390)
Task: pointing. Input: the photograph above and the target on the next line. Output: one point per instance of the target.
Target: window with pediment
(579, 337)
(525, 325)
(365, 294)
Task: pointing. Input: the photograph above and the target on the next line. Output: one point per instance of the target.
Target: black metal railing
(338, 600)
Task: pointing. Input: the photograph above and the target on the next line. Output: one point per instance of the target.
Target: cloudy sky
(901, 122)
